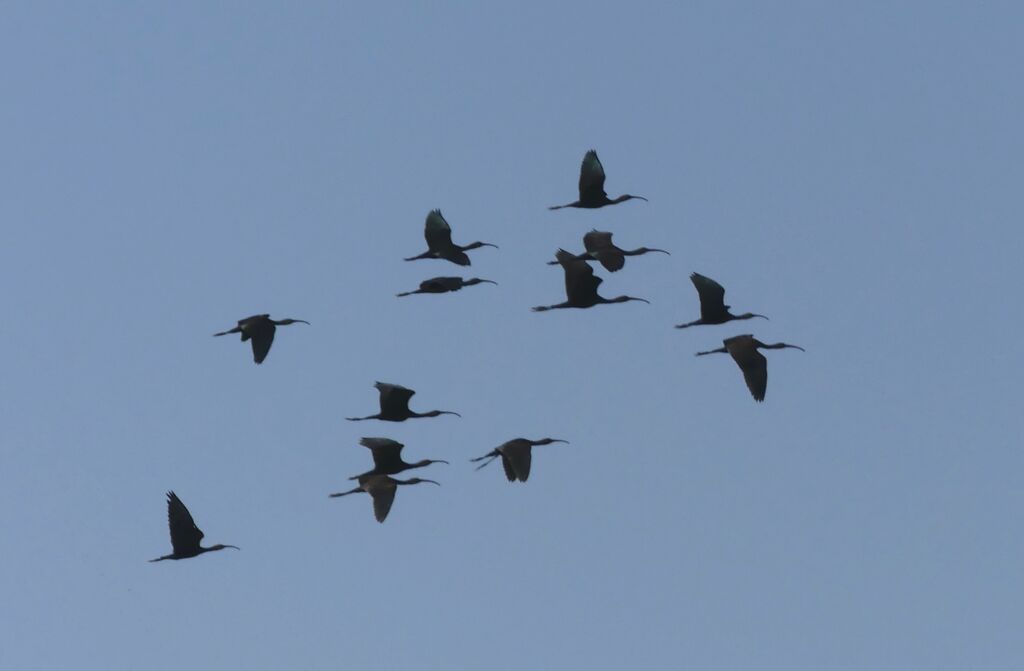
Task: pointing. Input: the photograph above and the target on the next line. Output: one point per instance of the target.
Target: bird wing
(382, 490)
(591, 178)
(185, 535)
(597, 240)
(386, 452)
(437, 231)
(440, 285)
(755, 369)
(580, 282)
(516, 458)
(393, 396)
(711, 293)
(262, 335)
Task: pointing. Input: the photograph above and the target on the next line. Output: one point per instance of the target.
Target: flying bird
(185, 535)
(439, 242)
(260, 329)
(442, 285)
(516, 456)
(592, 193)
(600, 248)
(381, 489)
(387, 458)
(713, 309)
(743, 349)
(394, 405)
(581, 285)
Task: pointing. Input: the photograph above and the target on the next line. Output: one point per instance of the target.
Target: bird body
(381, 489)
(439, 242)
(260, 329)
(443, 285)
(743, 350)
(185, 535)
(387, 458)
(600, 248)
(581, 285)
(713, 309)
(394, 405)
(591, 187)
(516, 456)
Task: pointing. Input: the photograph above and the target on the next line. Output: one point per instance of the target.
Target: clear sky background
(852, 172)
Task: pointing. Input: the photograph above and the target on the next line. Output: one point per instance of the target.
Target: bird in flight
(592, 193)
(600, 248)
(581, 286)
(743, 350)
(713, 309)
(439, 242)
(381, 489)
(443, 285)
(260, 330)
(185, 535)
(516, 455)
(394, 405)
(387, 458)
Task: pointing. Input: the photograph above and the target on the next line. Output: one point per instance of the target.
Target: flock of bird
(581, 287)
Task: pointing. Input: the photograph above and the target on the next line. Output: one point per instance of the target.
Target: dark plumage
(260, 329)
(442, 285)
(387, 458)
(600, 248)
(185, 535)
(713, 309)
(581, 285)
(394, 405)
(743, 350)
(592, 193)
(381, 489)
(439, 242)
(516, 456)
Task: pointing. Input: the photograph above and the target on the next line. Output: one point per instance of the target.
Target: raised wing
(712, 295)
(386, 452)
(592, 178)
(381, 489)
(595, 241)
(393, 396)
(437, 232)
(516, 458)
(185, 535)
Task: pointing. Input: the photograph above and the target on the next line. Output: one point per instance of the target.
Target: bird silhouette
(713, 309)
(260, 329)
(592, 193)
(381, 489)
(581, 285)
(185, 535)
(387, 458)
(516, 456)
(442, 285)
(439, 242)
(394, 405)
(743, 350)
(600, 248)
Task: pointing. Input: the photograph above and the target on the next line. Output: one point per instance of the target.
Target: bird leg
(720, 350)
(490, 456)
(351, 491)
(425, 255)
(237, 329)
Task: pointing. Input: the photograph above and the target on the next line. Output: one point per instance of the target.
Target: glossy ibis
(600, 248)
(260, 329)
(387, 458)
(394, 405)
(382, 489)
(439, 242)
(442, 285)
(581, 285)
(713, 309)
(592, 193)
(743, 349)
(185, 535)
(516, 456)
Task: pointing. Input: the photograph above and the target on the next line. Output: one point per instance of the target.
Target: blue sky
(854, 173)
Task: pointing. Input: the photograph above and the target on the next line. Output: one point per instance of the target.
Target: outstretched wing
(382, 490)
(386, 452)
(711, 293)
(262, 334)
(440, 285)
(185, 535)
(516, 458)
(755, 370)
(595, 241)
(437, 232)
(591, 178)
(580, 282)
(393, 396)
